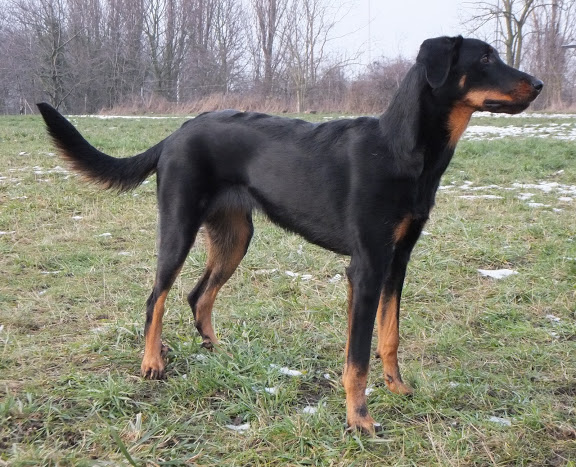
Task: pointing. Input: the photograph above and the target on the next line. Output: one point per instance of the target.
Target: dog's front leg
(406, 236)
(364, 288)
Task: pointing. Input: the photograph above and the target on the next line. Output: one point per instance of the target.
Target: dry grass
(493, 362)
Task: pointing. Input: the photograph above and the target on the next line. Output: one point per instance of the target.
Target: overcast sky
(397, 27)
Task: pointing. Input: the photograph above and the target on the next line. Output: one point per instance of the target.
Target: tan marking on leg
(204, 317)
(225, 252)
(354, 380)
(388, 340)
(357, 416)
(350, 298)
(153, 364)
(402, 228)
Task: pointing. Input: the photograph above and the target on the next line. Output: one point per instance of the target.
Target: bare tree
(373, 90)
(269, 15)
(199, 65)
(508, 20)
(124, 50)
(306, 37)
(44, 23)
(228, 43)
(553, 25)
(166, 30)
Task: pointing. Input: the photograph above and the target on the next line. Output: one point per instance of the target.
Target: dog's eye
(485, 58)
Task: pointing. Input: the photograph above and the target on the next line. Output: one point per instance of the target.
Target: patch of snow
(259, 272)
(130, 117)
(497, 273)
(480, 197)
(500, 421)
(525, 196)
(336, 278)
(286, 371)
(239, 428)
(304, 277)
(310, 409)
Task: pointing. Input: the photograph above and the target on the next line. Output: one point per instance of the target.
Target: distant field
(493, 361)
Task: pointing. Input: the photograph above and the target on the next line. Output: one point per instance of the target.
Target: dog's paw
(398, 387)
(367, 427)
(207, 344)
(153, 368)
(164, 350)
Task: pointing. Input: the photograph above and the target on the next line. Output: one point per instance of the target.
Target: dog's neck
(418, 125)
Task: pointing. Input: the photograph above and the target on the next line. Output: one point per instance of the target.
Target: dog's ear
(437, 55)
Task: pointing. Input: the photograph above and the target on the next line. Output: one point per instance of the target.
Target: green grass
(71, 307)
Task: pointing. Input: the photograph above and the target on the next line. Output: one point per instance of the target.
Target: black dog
(360, 187)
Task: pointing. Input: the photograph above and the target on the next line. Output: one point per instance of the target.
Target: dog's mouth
(501, 106)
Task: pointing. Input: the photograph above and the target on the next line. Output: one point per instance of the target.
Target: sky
(397, 27)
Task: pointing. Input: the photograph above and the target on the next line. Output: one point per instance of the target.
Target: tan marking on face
(471, 102)
(476, 98)
(462, 82)
(523, 92)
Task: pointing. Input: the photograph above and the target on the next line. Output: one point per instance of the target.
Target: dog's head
(472, 74)
(466, 75)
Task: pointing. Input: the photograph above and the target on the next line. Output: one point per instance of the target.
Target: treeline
(89, 55)
(85, 56)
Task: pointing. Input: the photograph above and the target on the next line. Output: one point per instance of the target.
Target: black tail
(121, 174)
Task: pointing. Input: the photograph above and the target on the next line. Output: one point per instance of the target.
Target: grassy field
(493, 361)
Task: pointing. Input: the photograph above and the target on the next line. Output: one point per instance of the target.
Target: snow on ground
(566, 131)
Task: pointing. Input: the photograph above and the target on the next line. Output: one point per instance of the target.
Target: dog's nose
(537, 84)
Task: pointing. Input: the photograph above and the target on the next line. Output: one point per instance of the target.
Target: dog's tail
(120, 174)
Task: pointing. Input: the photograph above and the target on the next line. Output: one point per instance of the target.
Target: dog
(360, 187)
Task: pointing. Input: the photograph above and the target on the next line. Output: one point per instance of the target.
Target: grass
(493, 362)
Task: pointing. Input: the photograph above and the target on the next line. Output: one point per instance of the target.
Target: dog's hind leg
(406, 235)
(179, 220)
(228, 234)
